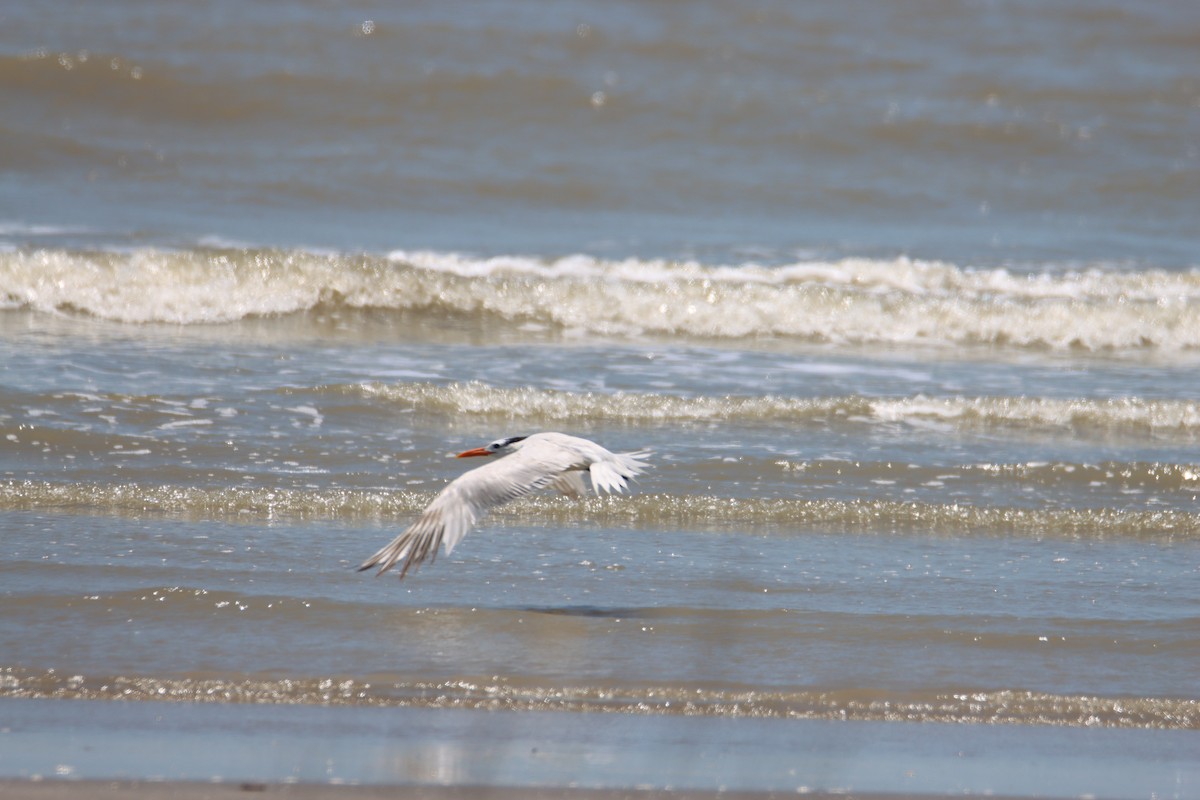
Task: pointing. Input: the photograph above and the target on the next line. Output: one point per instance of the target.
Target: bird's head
(497, 448)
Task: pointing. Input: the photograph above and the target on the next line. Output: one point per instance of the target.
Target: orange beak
(478, 451)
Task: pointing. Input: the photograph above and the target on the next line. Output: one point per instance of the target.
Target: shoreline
(59, 789)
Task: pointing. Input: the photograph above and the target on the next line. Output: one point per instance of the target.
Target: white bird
(531, 463)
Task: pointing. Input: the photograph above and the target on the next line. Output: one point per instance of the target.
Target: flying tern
(529, 463)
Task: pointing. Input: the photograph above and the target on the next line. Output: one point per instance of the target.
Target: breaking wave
(851, 301)
(1117, 414)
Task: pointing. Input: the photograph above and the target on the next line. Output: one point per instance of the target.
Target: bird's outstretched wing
(464, 501)
(544, 460)
(613, 473)
(610, 472)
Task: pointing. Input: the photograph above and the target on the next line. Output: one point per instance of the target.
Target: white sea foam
(1181, 417)
(853, 301)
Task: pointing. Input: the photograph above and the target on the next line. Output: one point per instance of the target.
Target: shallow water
(311, 744)
(905, 307)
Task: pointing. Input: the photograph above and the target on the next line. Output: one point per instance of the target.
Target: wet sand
(61, 748)
(112, 790)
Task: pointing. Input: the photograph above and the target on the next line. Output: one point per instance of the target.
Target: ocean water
(904, 299)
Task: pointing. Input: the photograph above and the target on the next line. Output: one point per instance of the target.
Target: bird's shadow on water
(592, 611)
